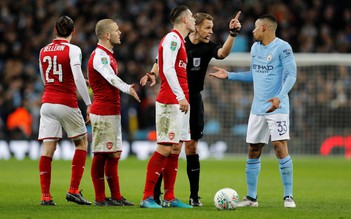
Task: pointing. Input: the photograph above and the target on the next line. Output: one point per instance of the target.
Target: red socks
(97, 175)
(111, 173)
(153, 171)
(78, 164)
(169, 175)
(45, 177)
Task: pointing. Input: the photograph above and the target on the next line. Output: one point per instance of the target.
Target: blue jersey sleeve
(240, 76)
(289, 69)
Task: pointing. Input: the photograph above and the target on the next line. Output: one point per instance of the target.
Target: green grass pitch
(322, 189)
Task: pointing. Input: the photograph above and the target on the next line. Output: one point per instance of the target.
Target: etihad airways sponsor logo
(262, 67)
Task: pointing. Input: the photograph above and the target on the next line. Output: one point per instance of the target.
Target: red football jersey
(172, 60)
(106, 100)
(55, 61)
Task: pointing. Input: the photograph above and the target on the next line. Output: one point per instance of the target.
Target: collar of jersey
(105, 49)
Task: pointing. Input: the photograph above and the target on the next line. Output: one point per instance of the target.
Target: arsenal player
(172, 110)
(60, 68)
(200, 50)
(105, 114)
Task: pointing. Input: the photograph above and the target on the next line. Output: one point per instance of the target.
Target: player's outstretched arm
(134, 93)
(150, 76)
(245, 76)
(220, 73)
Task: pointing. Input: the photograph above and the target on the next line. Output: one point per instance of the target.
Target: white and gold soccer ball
(226, 199)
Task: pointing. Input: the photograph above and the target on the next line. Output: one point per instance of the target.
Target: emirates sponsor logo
(182, 64)
(109, 145)
(171, 135)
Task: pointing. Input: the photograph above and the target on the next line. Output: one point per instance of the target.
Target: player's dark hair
(200, 17)
(64, 26)
(176, 12)
(269, 17)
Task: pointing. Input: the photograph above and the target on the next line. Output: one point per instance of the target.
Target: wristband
(234, 32)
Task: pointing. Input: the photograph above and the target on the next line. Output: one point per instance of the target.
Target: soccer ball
(226, 199)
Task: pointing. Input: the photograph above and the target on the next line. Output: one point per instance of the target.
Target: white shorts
(260, 128)
(172, 125)
(54, 117)
(107, 133)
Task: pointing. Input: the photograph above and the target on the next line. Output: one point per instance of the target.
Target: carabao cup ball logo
(173, 45)
(222, 200)
(226, 199)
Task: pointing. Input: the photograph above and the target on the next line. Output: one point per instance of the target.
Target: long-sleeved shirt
(273, 71)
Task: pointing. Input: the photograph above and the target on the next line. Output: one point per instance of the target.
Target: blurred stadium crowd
(316, 26)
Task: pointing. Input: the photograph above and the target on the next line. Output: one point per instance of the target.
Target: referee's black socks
(193, 170)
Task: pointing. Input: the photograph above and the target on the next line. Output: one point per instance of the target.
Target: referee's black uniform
(199, 56)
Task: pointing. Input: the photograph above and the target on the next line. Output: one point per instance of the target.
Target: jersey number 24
(54, 67)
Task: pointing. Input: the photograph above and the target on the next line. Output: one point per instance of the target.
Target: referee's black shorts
(196, 116)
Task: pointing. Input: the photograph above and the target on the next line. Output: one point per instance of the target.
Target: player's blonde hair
(103, 26)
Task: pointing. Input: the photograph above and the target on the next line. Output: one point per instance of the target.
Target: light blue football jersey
(273, 70)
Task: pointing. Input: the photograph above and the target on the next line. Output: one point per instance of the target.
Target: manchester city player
(273, 72)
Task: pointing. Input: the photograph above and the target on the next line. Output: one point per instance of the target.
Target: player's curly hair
(64, 26)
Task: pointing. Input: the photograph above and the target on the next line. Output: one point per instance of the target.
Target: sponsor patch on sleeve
(173, 45)
(287, 52)
(104, 60)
